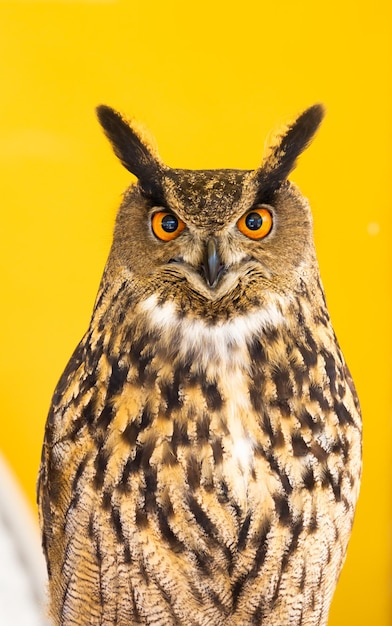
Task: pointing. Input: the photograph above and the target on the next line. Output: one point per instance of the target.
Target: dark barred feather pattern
(146, 500)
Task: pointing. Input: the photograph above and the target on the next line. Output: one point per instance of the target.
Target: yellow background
(210, 79)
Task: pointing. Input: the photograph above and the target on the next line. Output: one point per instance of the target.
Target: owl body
(201, 460)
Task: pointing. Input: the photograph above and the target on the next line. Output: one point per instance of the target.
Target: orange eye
(166, 226)
(256, 223)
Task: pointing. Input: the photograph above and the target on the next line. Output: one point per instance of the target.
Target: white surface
(22, 567)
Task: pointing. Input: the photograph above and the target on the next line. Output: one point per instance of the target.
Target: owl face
(210, 233)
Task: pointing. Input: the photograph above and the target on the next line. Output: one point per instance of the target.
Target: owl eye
(256, 223)
(166, 226)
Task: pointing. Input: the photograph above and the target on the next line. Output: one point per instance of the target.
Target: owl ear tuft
(130, 146)
(283, 153)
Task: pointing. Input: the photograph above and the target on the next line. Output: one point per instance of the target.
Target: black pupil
(253, 221)
(169, 223)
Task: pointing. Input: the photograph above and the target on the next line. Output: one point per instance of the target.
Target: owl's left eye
(166, 226)
(256, 223)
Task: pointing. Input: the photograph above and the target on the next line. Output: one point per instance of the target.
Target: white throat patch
(218, 342)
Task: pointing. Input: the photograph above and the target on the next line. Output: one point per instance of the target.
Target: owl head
(210, 236)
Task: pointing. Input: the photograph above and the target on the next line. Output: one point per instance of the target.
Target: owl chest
(192, 430)
(200, 412)
(214, 436)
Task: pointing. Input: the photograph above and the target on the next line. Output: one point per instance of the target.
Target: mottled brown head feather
(141, 160)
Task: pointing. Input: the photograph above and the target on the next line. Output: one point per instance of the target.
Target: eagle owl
(202, 453)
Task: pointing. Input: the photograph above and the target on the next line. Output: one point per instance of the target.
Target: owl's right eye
(166, 226)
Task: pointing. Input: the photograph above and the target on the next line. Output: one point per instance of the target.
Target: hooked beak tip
(212, 262)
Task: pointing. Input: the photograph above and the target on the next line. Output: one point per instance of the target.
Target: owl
(202, 454)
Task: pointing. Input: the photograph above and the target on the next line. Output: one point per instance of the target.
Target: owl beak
(212, 263)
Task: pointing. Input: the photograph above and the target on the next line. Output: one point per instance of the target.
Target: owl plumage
(202, 454)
